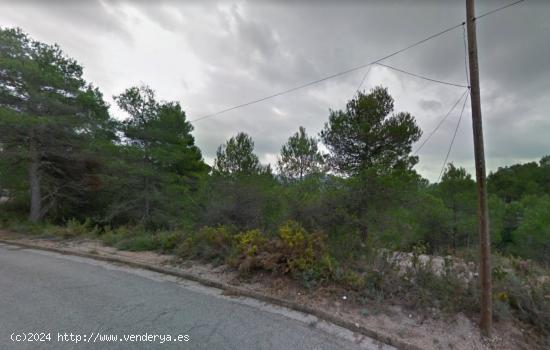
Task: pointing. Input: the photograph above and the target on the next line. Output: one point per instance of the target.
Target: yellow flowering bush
(250, 242)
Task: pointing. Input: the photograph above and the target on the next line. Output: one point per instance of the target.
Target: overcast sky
(212, 55)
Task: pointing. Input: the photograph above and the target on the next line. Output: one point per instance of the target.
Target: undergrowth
(446, 284)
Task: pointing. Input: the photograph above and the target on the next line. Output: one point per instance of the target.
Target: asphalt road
(43, 293)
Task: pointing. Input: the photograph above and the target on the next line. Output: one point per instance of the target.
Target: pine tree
(47, 115)
(300, 157)
(162, 165)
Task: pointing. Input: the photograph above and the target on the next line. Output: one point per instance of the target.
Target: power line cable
(452, 141)
(498, 9)
(440, 123)
(328, 77)
(364, 77)
(351, 69)
(420, 76)
(467, 78)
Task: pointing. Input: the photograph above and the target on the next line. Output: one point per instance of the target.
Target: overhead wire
(497, 9)
(442, 32)
(420, 76)
(468, 80)
(452, 141)
(328, 77)
(364, 78)
(440, 122)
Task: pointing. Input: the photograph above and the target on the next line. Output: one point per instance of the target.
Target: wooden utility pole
(482, 209)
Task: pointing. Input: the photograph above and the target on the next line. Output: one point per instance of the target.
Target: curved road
(43, 292)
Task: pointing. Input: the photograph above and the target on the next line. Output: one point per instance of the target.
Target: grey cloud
(164, 16)
(430, 104)
(71, 18)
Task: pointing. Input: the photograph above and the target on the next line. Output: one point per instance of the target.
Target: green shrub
(168, 241)
(322, 272)
(109, 238)
(138, 243)
(424, 288)
(352, 280)
(382, 276)
(53, 230)
(138, 239)
(532, 237)
(523, 290)
(209, 243)
(113, 236)
(27, 227)
(74, 228)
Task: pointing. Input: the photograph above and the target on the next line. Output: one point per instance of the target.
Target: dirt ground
(420, 330)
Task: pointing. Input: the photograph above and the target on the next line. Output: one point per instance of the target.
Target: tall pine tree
(162, 165)
(48, 114)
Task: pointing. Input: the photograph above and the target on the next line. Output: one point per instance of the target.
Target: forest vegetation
(68, 168)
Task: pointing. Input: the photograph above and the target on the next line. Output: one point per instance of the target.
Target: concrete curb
(231, 290)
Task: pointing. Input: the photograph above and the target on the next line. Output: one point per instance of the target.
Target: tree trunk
(35, 213)
(146, 216)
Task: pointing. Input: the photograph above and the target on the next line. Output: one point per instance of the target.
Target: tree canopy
(48, 114)
(236, 157)
(164, 162)
(63, 157)
(367, 135)
(300, 157)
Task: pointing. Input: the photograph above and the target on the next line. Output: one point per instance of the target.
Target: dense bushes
(291, 251)
(532, 236)
(243, 201)
(208, 243)
(428, 284)
(138, 239)
(522, 288)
